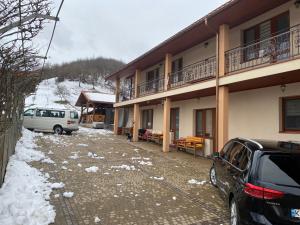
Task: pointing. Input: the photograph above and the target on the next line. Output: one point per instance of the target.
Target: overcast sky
(120, 29)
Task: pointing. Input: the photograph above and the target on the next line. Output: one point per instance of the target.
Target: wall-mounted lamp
(283, 87)
(205, 44)
(297, 3)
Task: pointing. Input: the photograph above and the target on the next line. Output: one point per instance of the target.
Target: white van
(51, 120)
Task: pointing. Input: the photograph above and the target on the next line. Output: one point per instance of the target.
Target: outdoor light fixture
(297, 3)
(283, 87)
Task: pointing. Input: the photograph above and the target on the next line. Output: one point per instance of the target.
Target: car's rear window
(73, 115)
(281, 169)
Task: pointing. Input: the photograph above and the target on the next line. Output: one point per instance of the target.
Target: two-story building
(233, 73)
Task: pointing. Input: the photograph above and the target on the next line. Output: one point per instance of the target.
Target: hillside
(52, 94)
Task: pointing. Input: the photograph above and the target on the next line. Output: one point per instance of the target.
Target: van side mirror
(216, 154)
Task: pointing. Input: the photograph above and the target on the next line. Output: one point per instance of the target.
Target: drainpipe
(217, 82)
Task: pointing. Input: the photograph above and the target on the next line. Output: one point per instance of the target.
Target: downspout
(217, 83)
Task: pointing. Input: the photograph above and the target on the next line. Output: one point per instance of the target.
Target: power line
(52, 35)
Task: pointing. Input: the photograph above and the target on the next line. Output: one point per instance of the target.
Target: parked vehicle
(51, 120)
(260, 181)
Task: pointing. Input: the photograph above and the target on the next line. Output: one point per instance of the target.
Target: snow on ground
(97, 219)
(68, 194)
(89, 131)
(194, 181)
(46, 96)
(92, 169)
(157, 178)
(57, 185)
(25, 192)
(125, 167)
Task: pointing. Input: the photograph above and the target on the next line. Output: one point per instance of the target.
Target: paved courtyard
(135, 183)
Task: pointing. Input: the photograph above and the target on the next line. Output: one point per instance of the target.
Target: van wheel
(58, 129)
(68, 132)
(234, 216)
(213, 176)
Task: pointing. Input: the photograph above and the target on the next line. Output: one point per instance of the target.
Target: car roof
(271, 145)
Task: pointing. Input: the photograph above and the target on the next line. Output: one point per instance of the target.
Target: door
(153, 80)
(174, 122)
(205, 124)
(29, 120)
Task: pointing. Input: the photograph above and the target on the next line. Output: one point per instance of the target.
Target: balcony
(284, 46)
(126, 93)
(151, 87)
(199, 71)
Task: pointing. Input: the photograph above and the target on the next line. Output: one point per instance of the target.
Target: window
(205, 119)
(57, 114)
(147, 119)
(152, 79)
(29, 112)
(276, 168)
(291, 114)
(73, 115)
(237, 155)
(177, 71)
(42, 113)
(254, 35)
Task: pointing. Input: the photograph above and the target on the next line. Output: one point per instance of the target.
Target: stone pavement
(136, 183)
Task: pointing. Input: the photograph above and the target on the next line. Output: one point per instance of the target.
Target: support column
(223, 47)
(166, 125)
(117, 91)
(136, 122)
(116, 121)
(136, 83)
(223, 116)
(168, 69)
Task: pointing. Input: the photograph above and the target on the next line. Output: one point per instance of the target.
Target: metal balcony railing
(193, 73)
(151, 87)
(126, 93)
(283, 46)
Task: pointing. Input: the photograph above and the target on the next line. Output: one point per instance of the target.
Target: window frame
(149, 119)
(282, 113)
(204, 111)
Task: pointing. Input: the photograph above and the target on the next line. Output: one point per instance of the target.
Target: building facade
(233, 73)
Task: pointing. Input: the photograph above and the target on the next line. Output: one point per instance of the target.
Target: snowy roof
(95, 97)
(100, 97)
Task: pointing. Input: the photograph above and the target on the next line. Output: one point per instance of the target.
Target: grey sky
(121, 29)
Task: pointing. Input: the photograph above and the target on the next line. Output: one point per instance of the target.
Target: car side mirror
(216, 154)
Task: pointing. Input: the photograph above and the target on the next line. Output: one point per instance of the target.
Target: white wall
(255, 113)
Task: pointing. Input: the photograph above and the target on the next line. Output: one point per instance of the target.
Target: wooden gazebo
(95, 106)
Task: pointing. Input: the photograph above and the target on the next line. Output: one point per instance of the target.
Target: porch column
(223, 116)
(136, 83)
(166, 125)
(168, 69)
(116, 121)
(136, 122)
(117, 91)
(223, 47)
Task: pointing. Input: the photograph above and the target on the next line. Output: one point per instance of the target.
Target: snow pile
(57, 185)
(126, 167)
(25, 192)
(97, 219)
(25, 148)
(75, 156)
(68, 194)
(193, 181)
(92, 169)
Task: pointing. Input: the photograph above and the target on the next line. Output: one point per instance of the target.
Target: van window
(29, 112)
(73, 115)
(42, 113)
(280, 169)
(57, 114)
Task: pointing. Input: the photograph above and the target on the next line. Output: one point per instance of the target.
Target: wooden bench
(190, 143)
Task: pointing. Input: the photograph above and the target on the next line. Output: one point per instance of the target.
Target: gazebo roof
(96, 99)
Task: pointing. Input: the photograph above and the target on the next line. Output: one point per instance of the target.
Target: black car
(260, 181)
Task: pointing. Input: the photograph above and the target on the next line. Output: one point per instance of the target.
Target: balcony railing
(151, 87)
(275, 49)
(193, 73)
(126, 93)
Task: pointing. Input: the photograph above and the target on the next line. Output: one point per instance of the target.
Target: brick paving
(157, 194)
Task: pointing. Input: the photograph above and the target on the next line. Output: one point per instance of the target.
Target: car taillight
(261, 192)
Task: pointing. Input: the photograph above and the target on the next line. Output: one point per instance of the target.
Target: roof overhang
(233, 13)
